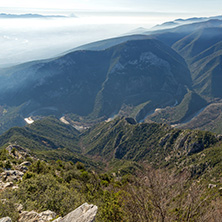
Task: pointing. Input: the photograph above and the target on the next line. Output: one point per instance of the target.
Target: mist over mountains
(27, 36)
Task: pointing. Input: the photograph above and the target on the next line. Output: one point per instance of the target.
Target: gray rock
(11, 175)
(19, 207)
(5, 219)
(47, 215)
(26, 216)
(212, 186)
(25, 163)
(20, 152)
(5, 185)
(21, 168)
(33, 216)
(85, 213)
(58, 219)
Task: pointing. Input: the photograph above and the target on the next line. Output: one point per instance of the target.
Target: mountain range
(165, 70)
(28, 16)
(120, 123)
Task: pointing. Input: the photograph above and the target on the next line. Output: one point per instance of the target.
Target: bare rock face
(5, 219)
(5, 185)
(33, 216)
(85, 213)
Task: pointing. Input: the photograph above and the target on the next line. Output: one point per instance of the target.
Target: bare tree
(164, 196)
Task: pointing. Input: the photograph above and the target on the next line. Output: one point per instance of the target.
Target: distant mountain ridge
(179, 22)
(104, 80)
(28, 16)
(178, 69)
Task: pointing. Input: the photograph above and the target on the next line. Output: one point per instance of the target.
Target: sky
(180, 6)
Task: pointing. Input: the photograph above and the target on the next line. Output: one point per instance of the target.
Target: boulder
(47, 215)
(33, 216)
(25, 163)
(19, 207)
(85, 213)
(212, 186)
(58, 219)
(5, 185)
(26, 216)
(5, 219)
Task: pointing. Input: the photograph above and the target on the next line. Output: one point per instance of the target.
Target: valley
(131, 76)
(131, 125)
(109, 165)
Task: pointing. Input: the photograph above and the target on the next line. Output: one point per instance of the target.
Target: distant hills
(179, 22)
(28, 16)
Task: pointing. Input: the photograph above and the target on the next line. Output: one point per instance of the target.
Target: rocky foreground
(85, 213)
(8, 179)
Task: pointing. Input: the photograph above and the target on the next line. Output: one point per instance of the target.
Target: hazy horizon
(26, 39)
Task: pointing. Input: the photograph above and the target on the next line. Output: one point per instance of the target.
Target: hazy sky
(29, 39)
(197, 6)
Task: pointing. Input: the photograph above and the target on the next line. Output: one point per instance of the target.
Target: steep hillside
(59, 85)
(200, 45)
(198, 41)
(123, 138)
(206, 71)
(131, 73)
(9, 117)
(191, 104)
(139, 160)
(209, 119)
(119, 139)
(142, 71)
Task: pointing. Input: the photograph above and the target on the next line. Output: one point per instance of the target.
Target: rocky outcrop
(210, 186)
(186, 142)
(5, 219)
(5, 185)
(18, 152)
(11, 175)
(85, 213)
(23, 167)
(33, 216)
